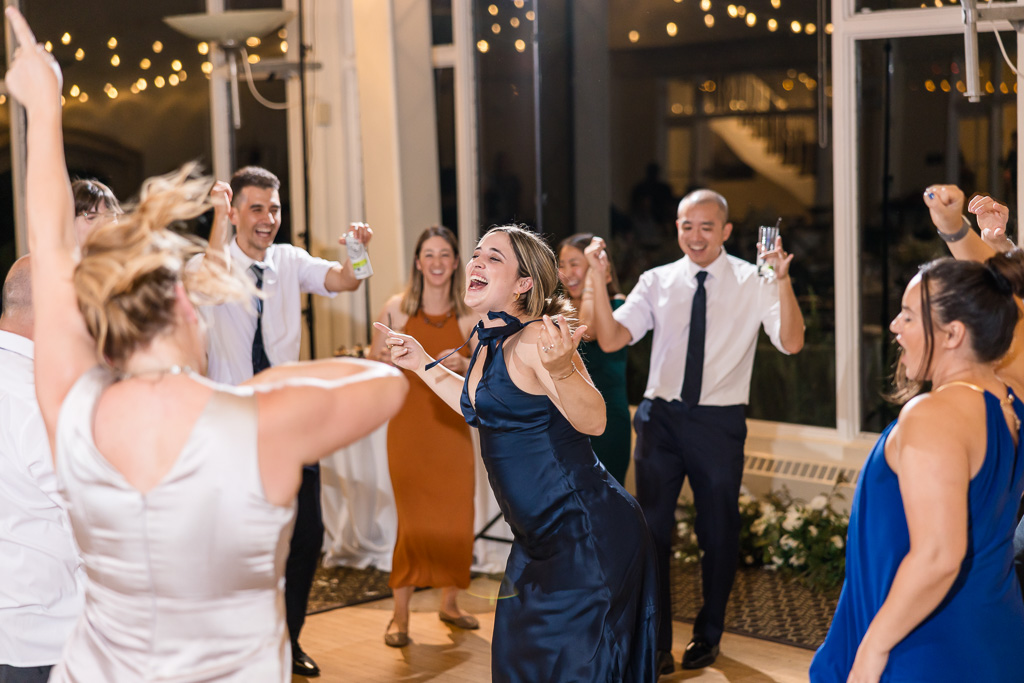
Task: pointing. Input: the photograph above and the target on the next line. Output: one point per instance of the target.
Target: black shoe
(303, 664)
(699, 653)
(666, 665)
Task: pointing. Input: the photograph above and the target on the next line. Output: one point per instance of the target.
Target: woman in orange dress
(430, 453)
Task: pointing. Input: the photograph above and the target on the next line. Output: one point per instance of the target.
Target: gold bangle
(566, 376)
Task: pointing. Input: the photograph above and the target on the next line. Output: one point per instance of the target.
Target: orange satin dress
(430, 458)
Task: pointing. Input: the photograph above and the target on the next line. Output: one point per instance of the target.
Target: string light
(176, 65)
(79, 54)
(483, 45)
(112, 43)
(929, 85)
(75, 91)
(634, 36)
(145, 64)
(282, 34)
(173, 79)
(115, 60)
(141, 84)
(709, 20)
(158, 47)
(48, 46)
(733, 12)
(495, 28)
(284, 46)
(206, 68)
(776, 4)
(254, 59)
(795, 26)
(134, 89)
(514, 22)
(83, 98)
(252, 41)
(705, 5)
(182, 75)
(159, 81)
(530, 15)
(671, 29)
(493, 9)
(520, 45)
(203, 48)
(810, 29)
(772, 25)
(65, 39)
(519, 4)
(751, 19)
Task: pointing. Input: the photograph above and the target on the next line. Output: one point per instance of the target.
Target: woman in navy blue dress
(578, 601)
(930, 592)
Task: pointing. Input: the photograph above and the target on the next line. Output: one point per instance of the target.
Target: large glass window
(915, 127)
(728, 98)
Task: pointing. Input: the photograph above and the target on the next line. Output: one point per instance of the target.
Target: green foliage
(802, 540)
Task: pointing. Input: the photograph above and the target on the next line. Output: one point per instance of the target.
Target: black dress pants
(304, 552)
(704, 443)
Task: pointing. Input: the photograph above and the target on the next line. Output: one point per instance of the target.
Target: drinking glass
(766, 236)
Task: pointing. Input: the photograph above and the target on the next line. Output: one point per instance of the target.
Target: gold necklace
(439, 325)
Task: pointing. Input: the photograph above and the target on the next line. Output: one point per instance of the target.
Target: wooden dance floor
(348, 644)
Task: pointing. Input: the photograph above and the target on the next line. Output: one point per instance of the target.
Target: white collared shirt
(41, 576)
(288, 273)
(738, 304)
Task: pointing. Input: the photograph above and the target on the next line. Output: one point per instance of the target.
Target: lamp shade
(232, 26)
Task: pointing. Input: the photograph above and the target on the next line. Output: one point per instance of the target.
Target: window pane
(441, 21)
(916, 128)
(444, 95)
(506, 130)
(700, 98)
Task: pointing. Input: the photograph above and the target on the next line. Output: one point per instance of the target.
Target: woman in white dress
(180, 490)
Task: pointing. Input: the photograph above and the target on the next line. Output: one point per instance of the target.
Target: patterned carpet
(762, 605)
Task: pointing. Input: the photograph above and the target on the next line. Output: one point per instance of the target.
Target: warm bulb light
(176, 65)
(79, 54)
(520, 45)
(634, 36)
(158, 47)
(772, 25)
(206, 68)
(493, 9)
(795, 27)
(159, 81)
(483, 45)
(284, 46)
(751, 19)
(75, 91)
(66, 38)
(254, 59)
(145, 64)
(671, 29)
(709, 20)
(203, 48)
(173, 79)
(115, 60)
(112, 43)
(141, 84)
(252, 41)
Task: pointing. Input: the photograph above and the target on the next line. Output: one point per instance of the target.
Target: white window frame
(849, 27)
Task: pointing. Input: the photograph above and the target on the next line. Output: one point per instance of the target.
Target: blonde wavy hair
(537, 261)
(129, 269)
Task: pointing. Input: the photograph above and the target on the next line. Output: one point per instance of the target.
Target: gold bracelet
(567, 376)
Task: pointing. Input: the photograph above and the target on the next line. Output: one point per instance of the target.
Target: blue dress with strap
(579, 597)
(977, 631)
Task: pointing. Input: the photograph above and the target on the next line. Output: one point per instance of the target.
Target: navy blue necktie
(694, 372)
(260, 362)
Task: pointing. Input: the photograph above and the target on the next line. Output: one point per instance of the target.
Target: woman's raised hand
(556, 346)
(992, 220)
(34, 78)
(946, 205)
(405, 351)
(597, 258)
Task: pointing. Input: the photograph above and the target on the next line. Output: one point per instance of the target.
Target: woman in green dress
(608, 370)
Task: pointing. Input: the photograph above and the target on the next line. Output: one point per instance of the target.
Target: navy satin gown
(579, 597)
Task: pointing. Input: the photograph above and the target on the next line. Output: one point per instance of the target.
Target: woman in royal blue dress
(930, 593)
(578, 600)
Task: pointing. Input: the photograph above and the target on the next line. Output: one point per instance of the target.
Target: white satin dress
(184, 583)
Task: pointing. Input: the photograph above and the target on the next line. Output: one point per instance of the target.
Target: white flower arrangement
(780, 533)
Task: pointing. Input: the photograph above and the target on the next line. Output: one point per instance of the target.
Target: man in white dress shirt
(41, 594)
(247, 337)
(705, 310)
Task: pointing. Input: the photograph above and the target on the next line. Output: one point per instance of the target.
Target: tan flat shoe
(467, 622)
(396, 639)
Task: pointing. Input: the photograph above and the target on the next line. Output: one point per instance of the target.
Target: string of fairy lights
(157, 69)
